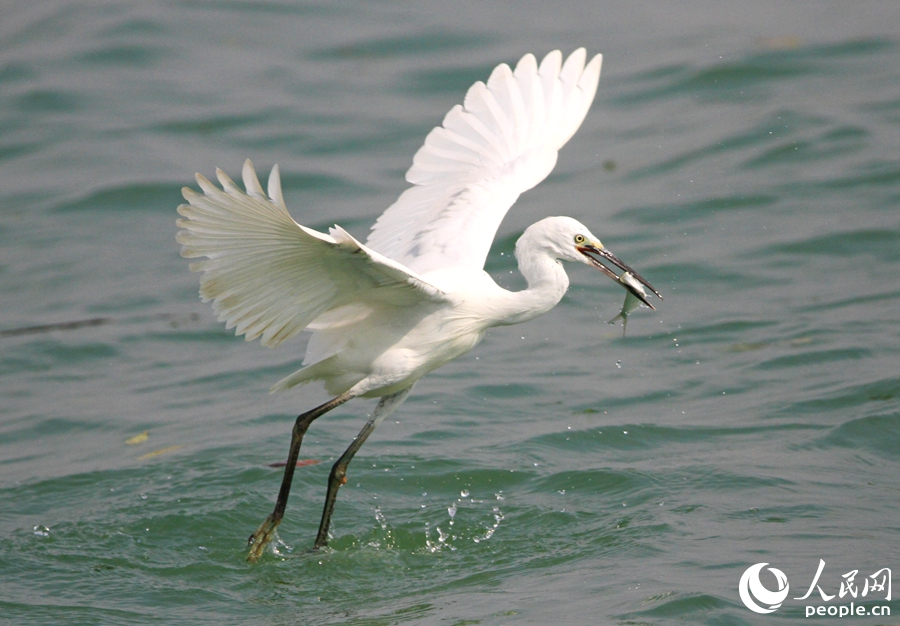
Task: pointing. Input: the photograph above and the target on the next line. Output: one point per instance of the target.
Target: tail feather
(336, 379)
(300, 377)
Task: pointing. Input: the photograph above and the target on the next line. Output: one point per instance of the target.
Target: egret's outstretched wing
(269, 276)
(502, 141)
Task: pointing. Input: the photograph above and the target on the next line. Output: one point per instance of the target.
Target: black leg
(263, 535)
(338, 475)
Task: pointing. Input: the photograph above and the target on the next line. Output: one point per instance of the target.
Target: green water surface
(743, 157)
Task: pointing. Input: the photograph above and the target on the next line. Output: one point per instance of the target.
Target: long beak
(596, 254)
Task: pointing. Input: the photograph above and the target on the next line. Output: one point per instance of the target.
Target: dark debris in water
(300, 463)
(173, 320)
(46, 328)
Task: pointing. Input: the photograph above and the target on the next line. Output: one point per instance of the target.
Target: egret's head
(569, 240)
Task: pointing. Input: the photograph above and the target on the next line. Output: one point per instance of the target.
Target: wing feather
(501, 141)
(269, 277)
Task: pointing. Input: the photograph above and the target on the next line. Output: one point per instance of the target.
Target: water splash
(280, 548)
(498, 517)
(379, 516)
(442, 540)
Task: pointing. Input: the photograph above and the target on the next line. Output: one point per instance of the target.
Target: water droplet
(619, 364)
(379, 516)
(452, 510)
(41, 531)
(464, 493)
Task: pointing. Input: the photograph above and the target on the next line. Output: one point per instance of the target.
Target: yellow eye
(579, 239)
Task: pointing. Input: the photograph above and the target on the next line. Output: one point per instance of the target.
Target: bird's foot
(261, 538)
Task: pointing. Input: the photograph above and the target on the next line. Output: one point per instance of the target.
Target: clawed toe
(261, 538)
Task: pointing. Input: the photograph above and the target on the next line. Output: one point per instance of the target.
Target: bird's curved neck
(547, 284)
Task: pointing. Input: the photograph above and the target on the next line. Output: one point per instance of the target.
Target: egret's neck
(547, 284)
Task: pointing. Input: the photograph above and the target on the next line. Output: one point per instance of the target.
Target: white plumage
(504, 140)
(415, 295)
(270, 278)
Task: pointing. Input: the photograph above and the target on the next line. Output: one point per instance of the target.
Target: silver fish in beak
(635, 298)
(596, 253)
(633, 282)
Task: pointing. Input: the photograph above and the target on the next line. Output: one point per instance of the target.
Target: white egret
(414, 296)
